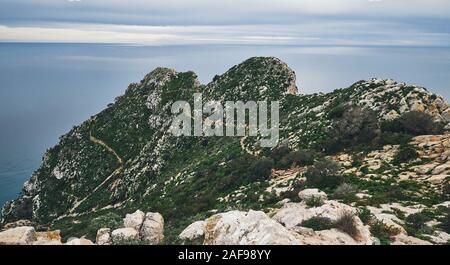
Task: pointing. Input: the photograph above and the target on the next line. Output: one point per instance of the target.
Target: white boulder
(79, 242)
(292, 215)
(103, 237)
(194, 231)
(152, 230)
(124, 234)
(312, 193)
(24, 235)
(134, 220)
(246, 228)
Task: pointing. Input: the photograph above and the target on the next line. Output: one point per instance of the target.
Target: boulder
(403, 239)
(326, 237)
(246, 228)
(152, 230)
(292, 215)
(79, 242)
(312, 193)
(134, 220)
(24, 235)
(48, 238)
(194, 231)
(124, 234)
(103, 237)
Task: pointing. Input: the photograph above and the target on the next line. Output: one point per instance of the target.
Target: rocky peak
(254, 79)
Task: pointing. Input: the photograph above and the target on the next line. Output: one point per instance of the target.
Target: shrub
(347, 224)
(122, 241)
(323, 174)
(314, 201)
(406, 154)
(356, 126)
(446, 190)
(298, 158)
(393, 138)
(344, 190)
(445, 225)
(337, 112)
(318, 223)
(415, 223)
(365, 215)
(260, 169)
(383, 232)
(413, 123)
(279, 152)
(109, 220)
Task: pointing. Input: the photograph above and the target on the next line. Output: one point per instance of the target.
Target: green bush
(314, 201)
(298, 158)
(365, 215)
(279, 152)
(357, 126)
(445, 225)
(383, 232)
(324, 174)
(446, 190)
(413, 123)
(318, 223)
(415, 223)
(393, 138)
(260, 169)
(109, 220)
(406, 154)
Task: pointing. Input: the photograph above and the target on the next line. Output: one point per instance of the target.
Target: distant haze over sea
(48, 88)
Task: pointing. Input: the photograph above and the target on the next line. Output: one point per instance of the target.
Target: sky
(177, 22)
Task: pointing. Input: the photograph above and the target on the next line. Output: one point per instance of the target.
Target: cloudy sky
(414, 23)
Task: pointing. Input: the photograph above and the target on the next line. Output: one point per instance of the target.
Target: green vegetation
(323, 174)
(413, 123)
(383, 232)
(318, 223)
(406, 154)
(314, 201)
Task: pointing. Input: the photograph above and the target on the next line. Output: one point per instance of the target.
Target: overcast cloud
(299, 22)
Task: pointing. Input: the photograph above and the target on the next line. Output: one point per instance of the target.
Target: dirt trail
(114, 173)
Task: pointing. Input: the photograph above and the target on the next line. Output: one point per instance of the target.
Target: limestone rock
(103, 237)
(328, 237)
(194, 231)
(246, 228)
(152, 230)
(80, 242)
(403, 239)
(134, 220)
(439, 237)
(124, 234)
(312, 193)
(24, 235)
(48, 238)
(293, 214)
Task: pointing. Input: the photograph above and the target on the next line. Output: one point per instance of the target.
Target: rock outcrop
(138, 228)
(18, 236)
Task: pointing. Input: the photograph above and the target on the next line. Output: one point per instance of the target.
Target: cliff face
(124, 158)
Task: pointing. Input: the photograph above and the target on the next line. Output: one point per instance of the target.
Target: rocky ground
(327, 222)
